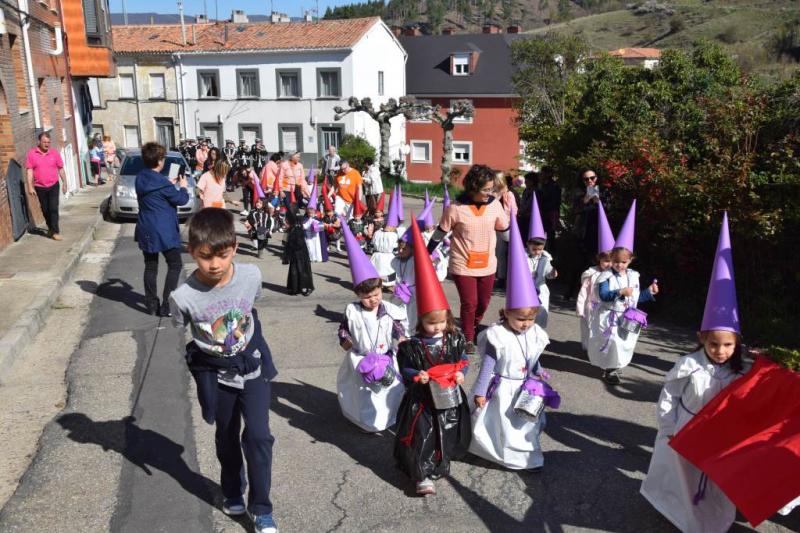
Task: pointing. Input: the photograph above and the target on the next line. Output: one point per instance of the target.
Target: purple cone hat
(625, 236)
(427, 199)
(259, 190)
(605, 238)
(536, 228)
(721, 312)
(360, 267)
(392, 218)
(520, 291)
(313, 198)
(400, 203)
(426, 216)
(445, 199)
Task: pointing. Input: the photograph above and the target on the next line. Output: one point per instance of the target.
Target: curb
(22, 332)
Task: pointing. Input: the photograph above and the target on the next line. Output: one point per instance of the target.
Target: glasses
(487, 190)
(589, 178)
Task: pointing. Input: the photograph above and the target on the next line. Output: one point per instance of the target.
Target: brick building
(34, 97)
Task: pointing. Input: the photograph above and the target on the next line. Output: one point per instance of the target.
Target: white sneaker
(244, 212)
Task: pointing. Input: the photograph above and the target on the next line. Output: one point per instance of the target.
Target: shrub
(356, 150)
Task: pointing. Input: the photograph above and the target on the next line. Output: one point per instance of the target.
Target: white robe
(371, 407)
(499, 434)
(671, 481)
(541, 286)
(587, 301)
(606, 348)
(312, 242)
(384, 243)
(405, 272)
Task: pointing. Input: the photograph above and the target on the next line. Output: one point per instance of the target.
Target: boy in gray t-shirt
(230, 361)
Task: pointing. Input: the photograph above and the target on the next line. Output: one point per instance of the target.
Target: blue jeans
(252, 403)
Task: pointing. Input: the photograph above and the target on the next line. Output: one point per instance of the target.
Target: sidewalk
(34, 269)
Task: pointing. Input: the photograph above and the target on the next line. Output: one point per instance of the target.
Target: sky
(257, 7)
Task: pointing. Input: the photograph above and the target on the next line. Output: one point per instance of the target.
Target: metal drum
(631, 322)
(445, 397)
(528, 405)
(388, 377)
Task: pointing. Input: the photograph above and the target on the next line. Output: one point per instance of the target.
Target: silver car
(123, 203)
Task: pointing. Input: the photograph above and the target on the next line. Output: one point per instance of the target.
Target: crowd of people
(405, 356)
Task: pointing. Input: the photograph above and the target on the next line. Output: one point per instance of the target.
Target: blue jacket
(157, 229)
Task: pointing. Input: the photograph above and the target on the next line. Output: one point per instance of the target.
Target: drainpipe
(181, 104)
(37, 120)
(136, 97)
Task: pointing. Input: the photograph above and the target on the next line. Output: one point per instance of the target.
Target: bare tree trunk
(447, 154)
(386, 133)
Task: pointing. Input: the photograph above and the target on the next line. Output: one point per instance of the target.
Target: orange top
(347, 184)
(474, 239)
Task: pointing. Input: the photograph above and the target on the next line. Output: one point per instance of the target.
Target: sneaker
(611, 377)
(264, 524)
(426, 487)
(234, 506)
(244, 212)
(56, 237)
(470, 349)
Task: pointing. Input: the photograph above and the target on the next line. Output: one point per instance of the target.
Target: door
(165, 132)
(18, 200)
(212, 131)
(329, 135)
(250, 134)
(290, 139)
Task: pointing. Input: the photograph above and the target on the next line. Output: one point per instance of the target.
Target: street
(130, 451)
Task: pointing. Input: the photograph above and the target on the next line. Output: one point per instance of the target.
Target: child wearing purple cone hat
(384, 243)
(368, 383)
(675, 487)
(588, 299)
(540, 262)
(616, 322)
(511, 374)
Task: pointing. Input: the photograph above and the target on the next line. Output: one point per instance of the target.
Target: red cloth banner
(747, 440)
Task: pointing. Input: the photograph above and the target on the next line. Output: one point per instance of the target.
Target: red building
(450, 67)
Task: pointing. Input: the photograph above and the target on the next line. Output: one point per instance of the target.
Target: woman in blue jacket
(157, 230)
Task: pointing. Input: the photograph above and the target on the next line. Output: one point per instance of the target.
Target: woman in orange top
(271, 172)
(297, 176)
(474, 218)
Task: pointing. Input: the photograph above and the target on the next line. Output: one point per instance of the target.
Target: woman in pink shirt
(474, 218)
(298, 175)
(509, 201)
(212, 185)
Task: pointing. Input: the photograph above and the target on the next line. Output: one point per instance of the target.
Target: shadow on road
(116, 290)
(280, 289)
(334, 317)
(144, 448)
(336, 280)
(317, 414)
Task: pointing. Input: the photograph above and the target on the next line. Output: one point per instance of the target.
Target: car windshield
(133, 165)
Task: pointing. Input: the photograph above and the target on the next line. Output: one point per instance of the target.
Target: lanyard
(524, 352)
(372, 343)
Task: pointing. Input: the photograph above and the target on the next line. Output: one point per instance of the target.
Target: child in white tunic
(405, 290)
(311, 228)
(384, 242)
(541, 268)
(588, 300)
(371, 328)
(511, 350)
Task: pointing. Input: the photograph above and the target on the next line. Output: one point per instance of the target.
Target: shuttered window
(90, 17)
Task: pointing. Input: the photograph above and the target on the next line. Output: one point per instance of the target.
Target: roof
(259, 36)
(428, 65)
(636, 53)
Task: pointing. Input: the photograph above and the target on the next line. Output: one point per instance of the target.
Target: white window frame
(125, 130)
(163, 86)
(429, 144)
(381, 82)
(425, 101)
(453, 154)
(94, 93)
(122, 96)
(461, 60)
(217, 81)
(463, 120)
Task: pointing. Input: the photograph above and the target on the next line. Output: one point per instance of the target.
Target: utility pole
(124, 14)
(205, 8)
(183, 28)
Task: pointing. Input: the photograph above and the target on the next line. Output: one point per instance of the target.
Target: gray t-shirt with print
(220, 319)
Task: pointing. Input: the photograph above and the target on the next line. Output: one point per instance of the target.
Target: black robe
(427, 438)
(295, 254)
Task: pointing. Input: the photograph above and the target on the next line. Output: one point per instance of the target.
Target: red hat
(292, 199)
(381, 202)
(325, 198)
(276, 186)
(358, 207)
(430, 296)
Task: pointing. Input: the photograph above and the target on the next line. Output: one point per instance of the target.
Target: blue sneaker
(234, 506)
(264, 524)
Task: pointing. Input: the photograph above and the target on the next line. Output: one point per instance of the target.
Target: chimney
(307, 17)
(514, 28)
(448, 31)
(152, 20)
(276, 17)
(194, 35)
(412, 32)
(397, 31)
(491, 28)
(239, 17)
(201, 19)
(225, 34)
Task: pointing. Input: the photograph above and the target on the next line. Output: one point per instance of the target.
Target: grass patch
(434, 189)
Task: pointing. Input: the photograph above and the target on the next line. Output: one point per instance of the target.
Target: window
(460, 64)
(422, 118)
(213, 131)
(94, 92)
(127, 87)
(328, 83)
(158, 89)
(250, 132)
(288, 83)
(462, 120)
(247, 84)
(420, 151)
(131, 136)
(208, 83)
(380, 83)
(462, 152)
(290, 138)
(165, 132)
(95, 20)
(98, 129)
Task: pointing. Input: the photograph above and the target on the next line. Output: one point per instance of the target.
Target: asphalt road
(131, 453)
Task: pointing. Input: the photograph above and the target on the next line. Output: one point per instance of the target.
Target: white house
(277, 81)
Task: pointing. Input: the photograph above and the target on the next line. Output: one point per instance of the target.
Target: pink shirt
(474, 239)
(212, 191)
(45, 166)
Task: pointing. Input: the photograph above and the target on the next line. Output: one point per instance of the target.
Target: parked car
(123, 203)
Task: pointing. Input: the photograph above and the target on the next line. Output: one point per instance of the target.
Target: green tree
(356, 150)
(436, 12)
(564, 10)
(507, 11)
